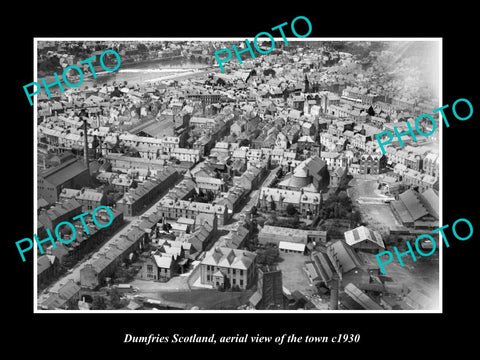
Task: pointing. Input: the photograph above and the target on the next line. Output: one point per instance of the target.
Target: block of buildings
(138, 198)
(63, 296)
(172, 209)
(310, 175)
(63, 211)
(306, 203)
(70, 174)
(417, 210)
(87, 197)
(343, 258)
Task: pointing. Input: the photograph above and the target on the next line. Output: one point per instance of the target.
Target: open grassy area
(210, 299)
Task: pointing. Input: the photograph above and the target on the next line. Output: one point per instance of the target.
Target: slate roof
(64, 172)
(362, 233)
(230, 258)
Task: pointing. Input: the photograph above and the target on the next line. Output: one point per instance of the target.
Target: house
(200, 238)
(157, 267)
(136, 199)
(210, 184)
(431, 165)
(338, 175)
(47, 268)
(333, 159)
(174, 209)
(306, 203)
(180, 249)
(64, 211)
(372, 164)
(226, 268)
(232, 199)
(187, 155)
(419, 180)
(235, 239)
(90, 198)
(365, 239)
(61, 252)
(104, 263)
(64, 295)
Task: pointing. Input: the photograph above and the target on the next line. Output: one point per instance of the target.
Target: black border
(99, 332)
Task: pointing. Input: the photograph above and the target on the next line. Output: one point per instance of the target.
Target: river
(142, 72)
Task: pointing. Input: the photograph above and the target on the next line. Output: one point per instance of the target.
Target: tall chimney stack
(85, 145)
(334, 293)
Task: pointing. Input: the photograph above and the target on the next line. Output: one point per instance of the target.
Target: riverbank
(129, 62)
(141, 72)
(134, 78)
(183, 76)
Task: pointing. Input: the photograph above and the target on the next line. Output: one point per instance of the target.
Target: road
(238, 216)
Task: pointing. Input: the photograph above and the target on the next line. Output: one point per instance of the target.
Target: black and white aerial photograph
(223, 179)
(168, 184)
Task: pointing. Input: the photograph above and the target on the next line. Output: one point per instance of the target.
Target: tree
(269, 72)
(356, 217)
(142, 47)
(271, 255)
(268, 256)
(116, 92)
(296, 221)
(115, 301)
(166, 227)
(273, 206)
(291, 210)
(254, 210)
(99, 303)
(50, 64)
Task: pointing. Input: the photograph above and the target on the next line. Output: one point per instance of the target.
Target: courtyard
(293, 275)
(370, 202)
